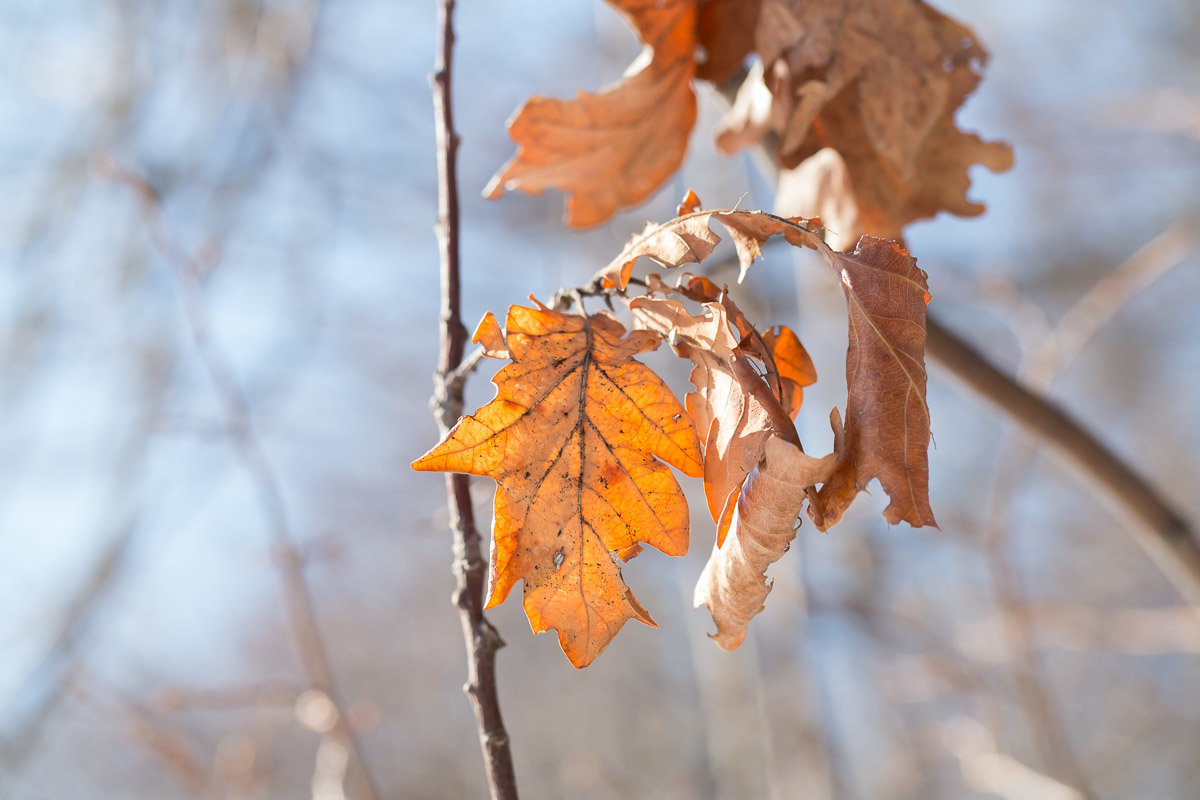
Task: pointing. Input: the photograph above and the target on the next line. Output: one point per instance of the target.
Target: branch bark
(482, 640)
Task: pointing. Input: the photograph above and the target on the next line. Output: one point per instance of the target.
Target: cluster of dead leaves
(856, 100)
(858, 97)
(580, 434)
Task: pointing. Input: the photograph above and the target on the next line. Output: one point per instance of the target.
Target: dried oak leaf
(794, 364)
(879, 83)
(574, 440)
(754, 480)
(732, 422)
(786, 364)
(733, 585)
(887, 419)
(611, 150)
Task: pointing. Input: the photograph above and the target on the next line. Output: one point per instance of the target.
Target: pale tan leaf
(733, 585)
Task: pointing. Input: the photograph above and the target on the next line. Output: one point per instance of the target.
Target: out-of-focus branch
(189, 270)
(482, 640)
(145, 729)
(1049, 352)
(1161, 531)
(1033, 690)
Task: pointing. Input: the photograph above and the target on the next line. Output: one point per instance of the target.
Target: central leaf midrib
(579, 429)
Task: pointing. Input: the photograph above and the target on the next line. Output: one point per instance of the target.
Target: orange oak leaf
(733, 585)
(795, 366)
(489, 336)
(887, 419)
(611, 150)
(576, 439)
(879, 83)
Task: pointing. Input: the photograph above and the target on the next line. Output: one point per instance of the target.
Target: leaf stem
(481, 639)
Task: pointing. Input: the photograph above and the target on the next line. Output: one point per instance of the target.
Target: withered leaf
(576, 439)
(726, 29)
(732, 422)
(611, 150)
(879, 83)
(887, 419)
(786, 364)
(795, 366)
(733, 585)
(755, 474)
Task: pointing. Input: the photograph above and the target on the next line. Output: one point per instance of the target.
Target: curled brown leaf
(733, 585)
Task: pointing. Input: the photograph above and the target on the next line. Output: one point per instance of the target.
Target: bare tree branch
(482, 640)
(189, 270)
(1163, 533)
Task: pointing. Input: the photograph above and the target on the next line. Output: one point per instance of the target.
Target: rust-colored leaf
(733, 585)
(574, 440)
(879, 83)
(795, 366)
(887, 420)
(726, 29)
(611, 150)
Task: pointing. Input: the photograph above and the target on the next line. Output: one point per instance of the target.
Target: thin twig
(1033, 690)
(189, 271)
(482, 640)
(1092, 311)
(1050, 352)
(1026, 669)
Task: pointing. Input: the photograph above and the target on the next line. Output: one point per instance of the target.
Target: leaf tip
(689, 205)
(425, 462)
(728, 642)
(494, 189)
(639, 612)
(490, 337)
